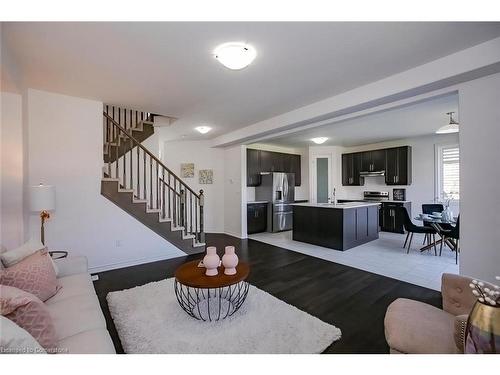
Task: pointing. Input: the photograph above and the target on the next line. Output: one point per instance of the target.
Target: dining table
(436, 223)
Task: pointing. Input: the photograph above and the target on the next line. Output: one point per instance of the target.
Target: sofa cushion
(72, 286)
(76, 314)
(418, 328)
(33, 274)
(29, 313)
(71, 265)
(96, 341)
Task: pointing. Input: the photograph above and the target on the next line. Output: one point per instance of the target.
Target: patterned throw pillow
(16, 340)
(29, 313)
(33, 274)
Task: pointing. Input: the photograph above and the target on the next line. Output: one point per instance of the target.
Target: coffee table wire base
(211, 304)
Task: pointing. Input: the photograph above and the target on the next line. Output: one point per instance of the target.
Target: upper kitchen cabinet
(295, 167)
(373, 161)
(271, 161)
(351, 165)
(253, 167)
(267, 161)
(398, 166)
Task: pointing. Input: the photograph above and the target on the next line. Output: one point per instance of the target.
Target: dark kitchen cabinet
(267, 161)
(253, 167)
(351, 165)
(272, 161)
(398, 166)
(372, 161)
(256, 217)
(395, 161)
(390, 218)
(295, 167)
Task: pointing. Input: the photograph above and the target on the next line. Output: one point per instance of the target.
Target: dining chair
(412, 228)
(429, 208)
(453, 233)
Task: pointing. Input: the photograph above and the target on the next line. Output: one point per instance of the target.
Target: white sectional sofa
(75, 310)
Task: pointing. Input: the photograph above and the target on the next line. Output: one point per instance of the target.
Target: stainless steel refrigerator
(279, 190)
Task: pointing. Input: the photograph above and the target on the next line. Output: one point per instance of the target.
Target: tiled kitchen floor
(384, 256)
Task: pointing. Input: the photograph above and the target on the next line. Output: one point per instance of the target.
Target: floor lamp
(43, 200)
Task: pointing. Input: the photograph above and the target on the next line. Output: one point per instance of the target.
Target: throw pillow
(33, 274)
(16, 340)
(29, 313)
(11, 257)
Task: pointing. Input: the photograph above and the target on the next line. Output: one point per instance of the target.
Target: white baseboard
(236, 235)
(129, 263)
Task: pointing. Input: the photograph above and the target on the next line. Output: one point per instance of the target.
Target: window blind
(451, 172)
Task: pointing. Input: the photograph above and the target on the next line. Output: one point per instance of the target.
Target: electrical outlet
(118, 243)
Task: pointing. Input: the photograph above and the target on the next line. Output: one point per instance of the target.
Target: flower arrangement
(485, 294)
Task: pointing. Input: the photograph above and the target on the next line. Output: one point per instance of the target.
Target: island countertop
(339, 206)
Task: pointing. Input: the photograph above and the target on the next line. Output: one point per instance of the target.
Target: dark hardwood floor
(353, 300)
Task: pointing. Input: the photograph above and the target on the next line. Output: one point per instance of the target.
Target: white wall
(302, 191)
(12, 171)
(235, 218)
(422, 188)
(204, 157)
(65, 150)
(480, 177)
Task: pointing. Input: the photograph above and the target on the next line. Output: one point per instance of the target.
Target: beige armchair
(418, 328)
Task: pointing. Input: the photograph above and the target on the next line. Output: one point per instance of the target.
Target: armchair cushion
(457, 295)
(419, 328)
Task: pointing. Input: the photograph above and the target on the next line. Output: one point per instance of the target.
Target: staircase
(140, 184)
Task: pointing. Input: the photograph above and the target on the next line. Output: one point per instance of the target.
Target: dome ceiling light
(319, 140)
(203, 129)
(452, 127)
(235, 55)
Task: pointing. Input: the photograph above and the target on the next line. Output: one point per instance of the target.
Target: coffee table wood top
(190, 274)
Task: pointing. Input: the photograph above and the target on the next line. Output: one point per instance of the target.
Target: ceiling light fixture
(235, 55)
(203, 129)
(452, 127)
(319, 140)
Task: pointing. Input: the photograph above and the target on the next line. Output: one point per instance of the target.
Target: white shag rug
(149, 320)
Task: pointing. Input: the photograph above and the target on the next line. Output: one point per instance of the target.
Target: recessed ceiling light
(319, 140)
(235, 55)
(451, 127)
(203, 129)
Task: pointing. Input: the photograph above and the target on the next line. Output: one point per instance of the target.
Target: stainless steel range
(377, 196)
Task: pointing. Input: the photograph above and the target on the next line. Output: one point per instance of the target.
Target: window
(448, 168)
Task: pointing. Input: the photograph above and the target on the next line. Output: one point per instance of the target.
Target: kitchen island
(340, 227)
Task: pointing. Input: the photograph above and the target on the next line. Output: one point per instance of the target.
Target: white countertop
(339, 206)
(257, 202)
(382, 201)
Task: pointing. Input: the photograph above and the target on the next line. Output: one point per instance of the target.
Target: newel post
(202, 204)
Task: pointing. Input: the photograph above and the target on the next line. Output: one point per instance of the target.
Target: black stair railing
(150, 180)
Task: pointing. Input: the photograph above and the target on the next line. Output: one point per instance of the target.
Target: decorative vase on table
(211, 261)
(230, 261)
(482, 334)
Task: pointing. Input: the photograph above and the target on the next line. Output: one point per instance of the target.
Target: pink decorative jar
(230, 261)
(211, 261)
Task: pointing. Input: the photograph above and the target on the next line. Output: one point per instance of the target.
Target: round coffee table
(210, 298)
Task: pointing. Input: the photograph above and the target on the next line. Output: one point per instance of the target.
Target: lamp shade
(42, 198)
